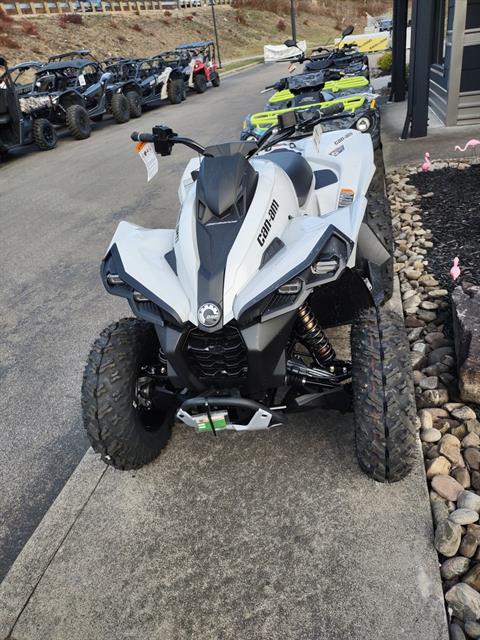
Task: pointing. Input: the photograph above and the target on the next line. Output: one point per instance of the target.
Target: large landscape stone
(447, 538)
(464, 601)
(472, 578)
(469, 500)
(466, 326)
(447, 487)
(454, 567)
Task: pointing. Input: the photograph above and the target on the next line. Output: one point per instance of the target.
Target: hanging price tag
(146, 151)
(317, 134)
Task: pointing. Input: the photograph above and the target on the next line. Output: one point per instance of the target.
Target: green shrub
(385, 62)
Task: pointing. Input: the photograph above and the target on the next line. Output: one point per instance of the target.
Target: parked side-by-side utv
(199, 64)
(145, 82)
(79, 90)
(22, 120)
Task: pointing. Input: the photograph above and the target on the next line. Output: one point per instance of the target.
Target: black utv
(79, 90)
(23, 76)
(21, 119)
(145, 82)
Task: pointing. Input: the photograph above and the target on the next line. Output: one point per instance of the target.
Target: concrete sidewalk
(273, 535)
(440, 141)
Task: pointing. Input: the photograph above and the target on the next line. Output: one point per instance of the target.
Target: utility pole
(293, 20)
(212, 4)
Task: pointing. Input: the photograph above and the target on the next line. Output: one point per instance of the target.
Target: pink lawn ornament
(455, 271)
(427, 165)
(471, 144)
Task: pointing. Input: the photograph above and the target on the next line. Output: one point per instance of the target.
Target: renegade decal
(267, 225)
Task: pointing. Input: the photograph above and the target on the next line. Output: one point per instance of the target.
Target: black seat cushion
(297, 169)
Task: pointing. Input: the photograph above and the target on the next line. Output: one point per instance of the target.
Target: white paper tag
(317, 134)
(81, 80)
(146, 151)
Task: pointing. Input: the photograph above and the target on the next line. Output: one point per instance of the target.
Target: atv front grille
(221, 354)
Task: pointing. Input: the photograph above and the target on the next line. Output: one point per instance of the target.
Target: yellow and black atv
(360, 112)
(332, 85)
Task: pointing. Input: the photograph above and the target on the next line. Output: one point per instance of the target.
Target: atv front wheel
(78, 122)
(215, 78)
(200, 83)
(126, 436)
(120, 108)
(383, 395)
(134, 104)
(44, 134)
(175, 91)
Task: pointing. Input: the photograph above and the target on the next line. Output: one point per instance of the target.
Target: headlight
(114, 279)
(363, 124)
(291, 287)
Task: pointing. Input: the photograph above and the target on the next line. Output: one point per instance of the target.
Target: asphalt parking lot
(58, 212)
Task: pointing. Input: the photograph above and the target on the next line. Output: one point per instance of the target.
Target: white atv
(275, 241)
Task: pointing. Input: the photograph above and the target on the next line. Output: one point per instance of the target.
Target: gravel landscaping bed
(435, 218)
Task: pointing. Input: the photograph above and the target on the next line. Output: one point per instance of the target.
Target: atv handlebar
(164, 138)
(142, 137)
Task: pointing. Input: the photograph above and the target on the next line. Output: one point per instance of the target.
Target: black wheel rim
(83, 120)
(49, 134)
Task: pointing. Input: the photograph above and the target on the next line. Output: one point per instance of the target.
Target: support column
(419, 73)
(399, 42)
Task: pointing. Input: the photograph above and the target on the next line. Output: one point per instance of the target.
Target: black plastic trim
(329, 232)
(137, 286)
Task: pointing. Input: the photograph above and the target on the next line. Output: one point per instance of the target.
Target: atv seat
(296, 168)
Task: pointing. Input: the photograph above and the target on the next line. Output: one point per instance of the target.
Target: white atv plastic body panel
(340, 160)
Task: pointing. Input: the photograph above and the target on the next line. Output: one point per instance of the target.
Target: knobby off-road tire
(134, 104)
(379, 218)
(126, 437)
(175, 91)
(383, 395)
(44, 134)
(78, 122)
(200, 83)
(215, 78)
(120, 108)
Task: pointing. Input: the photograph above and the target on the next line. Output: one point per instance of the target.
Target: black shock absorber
(311, 334)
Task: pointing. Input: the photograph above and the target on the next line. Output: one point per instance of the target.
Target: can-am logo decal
(267, 225)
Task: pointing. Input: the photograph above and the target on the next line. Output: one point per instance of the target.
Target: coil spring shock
(311, 334)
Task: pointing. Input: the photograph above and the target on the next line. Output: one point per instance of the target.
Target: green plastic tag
(219, 420)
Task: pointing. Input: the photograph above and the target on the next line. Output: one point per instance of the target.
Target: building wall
(455, 81)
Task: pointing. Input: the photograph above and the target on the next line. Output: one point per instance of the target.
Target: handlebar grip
(142, 137)
(332, 110)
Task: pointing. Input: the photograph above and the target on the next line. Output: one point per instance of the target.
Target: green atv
(360, 112)
(307, 83)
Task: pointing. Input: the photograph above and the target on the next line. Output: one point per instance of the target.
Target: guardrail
(109, 6)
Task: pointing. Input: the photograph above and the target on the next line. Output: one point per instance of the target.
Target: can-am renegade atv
(79, 91)
(199, 65)
(22, 120)
(274, 243)
(343, 58)
(329, 84)
(360, 112)
(146, 82)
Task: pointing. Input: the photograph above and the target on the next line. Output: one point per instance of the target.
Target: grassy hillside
(243, 29)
